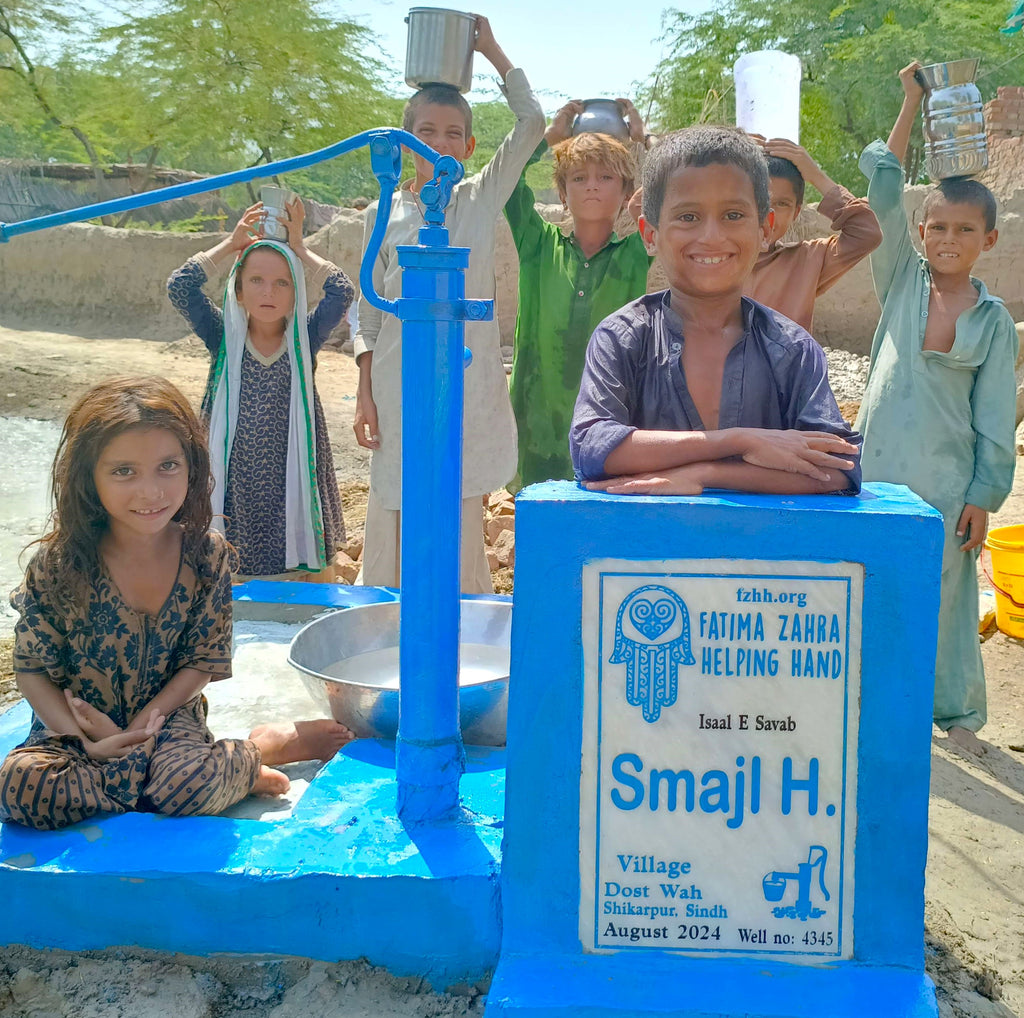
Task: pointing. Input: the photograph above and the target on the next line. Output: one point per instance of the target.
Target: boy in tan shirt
(789, 277)
(441, 117)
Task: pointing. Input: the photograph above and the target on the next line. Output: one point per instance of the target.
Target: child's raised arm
(486, 45)
(858, 232)
(494, 185)
(560, 128)
(337, 287)
(913, 93)
(782, 148)
(246, 230)
(185, 285)
(881, 164)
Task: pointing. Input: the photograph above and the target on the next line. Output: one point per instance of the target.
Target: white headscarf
(304, 530)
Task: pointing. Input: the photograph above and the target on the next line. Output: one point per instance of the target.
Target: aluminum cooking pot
(439, 50)
(602, 116)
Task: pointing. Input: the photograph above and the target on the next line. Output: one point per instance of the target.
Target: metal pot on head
(275, 218)
(602, 116)
(439, 49)
(954, 123)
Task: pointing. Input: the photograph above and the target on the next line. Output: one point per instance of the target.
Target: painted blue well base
(544, 970)
(341, 878)
(611, 987)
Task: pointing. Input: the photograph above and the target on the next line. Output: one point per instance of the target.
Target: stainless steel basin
(349, 663)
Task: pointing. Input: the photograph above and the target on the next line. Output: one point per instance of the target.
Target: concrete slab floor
(330, 873)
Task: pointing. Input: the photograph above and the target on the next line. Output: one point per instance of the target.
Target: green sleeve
(885, 196)
(993, 413)
(523, 218)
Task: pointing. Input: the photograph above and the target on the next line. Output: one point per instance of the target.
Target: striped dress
(118, 659)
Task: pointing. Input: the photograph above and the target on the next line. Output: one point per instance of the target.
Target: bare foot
(270, 782)
(965, 739)
(289, 741)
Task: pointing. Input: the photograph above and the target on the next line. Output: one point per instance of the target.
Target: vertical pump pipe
(433, 311)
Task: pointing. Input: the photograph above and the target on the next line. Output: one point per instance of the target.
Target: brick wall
(1004, 115)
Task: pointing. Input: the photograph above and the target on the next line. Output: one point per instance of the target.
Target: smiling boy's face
(954, 236)
(709, 233)
(443, 128)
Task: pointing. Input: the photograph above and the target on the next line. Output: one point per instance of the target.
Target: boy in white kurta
(440, 117)
(939, 406)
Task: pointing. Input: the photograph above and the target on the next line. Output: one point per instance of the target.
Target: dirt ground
(974, 920)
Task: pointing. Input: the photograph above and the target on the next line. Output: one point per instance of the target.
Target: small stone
(492, 560)
(501, 503)
(505, 548)
(345, 568)
(353, 548)
(497, 525)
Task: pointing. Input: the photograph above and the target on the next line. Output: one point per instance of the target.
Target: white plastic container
(768, 94)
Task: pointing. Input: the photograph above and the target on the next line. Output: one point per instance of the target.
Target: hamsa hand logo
(652, 639)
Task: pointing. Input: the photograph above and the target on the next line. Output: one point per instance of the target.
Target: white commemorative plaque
(718, 785)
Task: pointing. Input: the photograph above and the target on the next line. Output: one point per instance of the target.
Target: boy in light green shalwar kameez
(939, 408)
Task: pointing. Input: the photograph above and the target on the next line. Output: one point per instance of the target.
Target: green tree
(217, 82)
(34, 93)
(491, 122)
(851, 51)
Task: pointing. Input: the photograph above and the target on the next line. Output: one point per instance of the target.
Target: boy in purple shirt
(698, 386)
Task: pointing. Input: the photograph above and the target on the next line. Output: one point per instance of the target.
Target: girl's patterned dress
(117, 660)
(254, 496)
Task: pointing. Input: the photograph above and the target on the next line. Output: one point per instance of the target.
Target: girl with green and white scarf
(275, 493)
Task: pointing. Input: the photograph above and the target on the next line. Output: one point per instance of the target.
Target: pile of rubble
(500, 539)
(499, 544)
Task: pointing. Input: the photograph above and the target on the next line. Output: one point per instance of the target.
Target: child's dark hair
(785, 170)
(703, 146)
(962, 191)
(78, 520)
(437, 95)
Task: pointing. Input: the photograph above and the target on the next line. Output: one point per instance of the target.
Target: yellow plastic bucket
(1006, 548)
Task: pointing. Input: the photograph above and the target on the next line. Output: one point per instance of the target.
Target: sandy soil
(42, 373)
(974, 922)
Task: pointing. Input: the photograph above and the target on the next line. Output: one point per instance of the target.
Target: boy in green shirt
(568, 283)
(939, 407)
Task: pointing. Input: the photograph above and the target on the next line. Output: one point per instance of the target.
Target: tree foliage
(258, 80)
(851, 52)
(208, 85)
(33, 90)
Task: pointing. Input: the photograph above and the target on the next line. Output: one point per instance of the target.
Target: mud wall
(95, 281)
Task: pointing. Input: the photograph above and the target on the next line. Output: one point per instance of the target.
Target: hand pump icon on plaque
(652, 639)
(775, 884)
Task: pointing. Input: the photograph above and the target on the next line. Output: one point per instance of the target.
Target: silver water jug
(439, 50)
(275, 218)
(954, 123)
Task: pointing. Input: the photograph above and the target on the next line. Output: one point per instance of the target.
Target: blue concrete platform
(564, 986)
(340, 878)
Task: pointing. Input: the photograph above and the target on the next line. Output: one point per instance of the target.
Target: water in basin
(478, 662)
